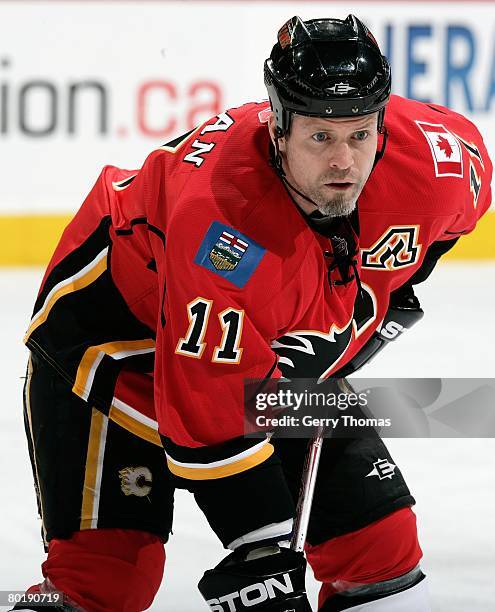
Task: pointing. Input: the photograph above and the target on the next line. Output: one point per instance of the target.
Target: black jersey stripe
(173, 144)
(142, 221)
(133, 222)
(95, 315)
(121, 185)
(107, 354)
(158, 232)
(76, 282)
(76, 259)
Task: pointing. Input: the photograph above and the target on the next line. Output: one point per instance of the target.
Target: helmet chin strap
(277, 164)
(379, 154)
(324, 224)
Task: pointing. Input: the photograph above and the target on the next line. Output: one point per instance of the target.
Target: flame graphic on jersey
(314, 354)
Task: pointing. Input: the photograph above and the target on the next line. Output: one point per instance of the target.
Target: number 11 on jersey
(231, 323)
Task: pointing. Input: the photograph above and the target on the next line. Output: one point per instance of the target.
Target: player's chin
(338, 207)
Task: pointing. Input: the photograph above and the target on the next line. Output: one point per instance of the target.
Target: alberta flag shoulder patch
(228, 253)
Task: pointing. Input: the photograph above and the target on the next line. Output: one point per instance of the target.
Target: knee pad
(381, 551)
(103, 570)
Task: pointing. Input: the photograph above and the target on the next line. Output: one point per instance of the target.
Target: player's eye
(319, 136)
(361, 135)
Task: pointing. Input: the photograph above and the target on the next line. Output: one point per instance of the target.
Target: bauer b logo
(397, 248)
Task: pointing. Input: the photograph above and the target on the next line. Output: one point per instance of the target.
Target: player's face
(329, 160)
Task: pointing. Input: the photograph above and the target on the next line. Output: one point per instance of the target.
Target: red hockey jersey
(202, 261)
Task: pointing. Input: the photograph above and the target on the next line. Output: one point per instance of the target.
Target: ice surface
(452, 480)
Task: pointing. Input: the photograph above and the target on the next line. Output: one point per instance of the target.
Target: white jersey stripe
(201, 466)
(91, 376)
(99, 472)
(134, 414)
(68, 281)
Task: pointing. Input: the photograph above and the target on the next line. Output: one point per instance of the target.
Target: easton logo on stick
(397, 248)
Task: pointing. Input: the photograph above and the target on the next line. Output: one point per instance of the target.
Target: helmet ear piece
(281, 114)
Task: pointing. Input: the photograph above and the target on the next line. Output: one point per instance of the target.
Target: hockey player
(232, 249)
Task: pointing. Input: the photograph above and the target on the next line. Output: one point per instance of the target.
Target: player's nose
(341, 156)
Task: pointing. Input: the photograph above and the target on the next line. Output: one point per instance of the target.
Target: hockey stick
(306, 492)
(308, 481)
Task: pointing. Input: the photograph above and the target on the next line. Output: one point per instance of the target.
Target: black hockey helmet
(326, 68)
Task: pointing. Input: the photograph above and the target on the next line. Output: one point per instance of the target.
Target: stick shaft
(306, 493)
(308, 480)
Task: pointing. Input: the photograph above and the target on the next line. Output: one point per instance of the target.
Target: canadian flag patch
(445, 149)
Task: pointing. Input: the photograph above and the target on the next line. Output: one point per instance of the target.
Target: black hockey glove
(403, 312)
(263, 579)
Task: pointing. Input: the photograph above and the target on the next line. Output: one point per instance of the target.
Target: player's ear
(272, 127)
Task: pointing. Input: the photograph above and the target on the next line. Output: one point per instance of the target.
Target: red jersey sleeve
(95, 314)
(475, 196)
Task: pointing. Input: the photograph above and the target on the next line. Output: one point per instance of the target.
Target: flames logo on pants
(397, 248)
(135, 481)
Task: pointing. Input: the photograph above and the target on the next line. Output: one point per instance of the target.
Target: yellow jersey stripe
(94, 354)
(79, 281)
(134, 426)
(94, 464)
(236, 467)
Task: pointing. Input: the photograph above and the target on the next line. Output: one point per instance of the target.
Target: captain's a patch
(227, 252)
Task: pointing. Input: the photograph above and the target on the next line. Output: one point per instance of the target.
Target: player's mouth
(339, 186)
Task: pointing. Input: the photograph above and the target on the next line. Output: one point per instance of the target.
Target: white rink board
(151, 70)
